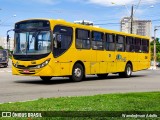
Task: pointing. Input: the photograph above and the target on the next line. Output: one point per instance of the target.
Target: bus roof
(61, 21)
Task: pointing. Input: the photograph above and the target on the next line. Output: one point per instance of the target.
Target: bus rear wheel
(45, 78)
(102, 76)
(128, 71)
(77, 73)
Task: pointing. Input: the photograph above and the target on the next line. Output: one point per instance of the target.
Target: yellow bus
(49, 48)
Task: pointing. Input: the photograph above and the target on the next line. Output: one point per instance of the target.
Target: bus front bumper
(46, 71)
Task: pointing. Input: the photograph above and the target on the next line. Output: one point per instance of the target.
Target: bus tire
(121, 74)
(46, 78)
(77, 73)
(128, 71)
(102, 76)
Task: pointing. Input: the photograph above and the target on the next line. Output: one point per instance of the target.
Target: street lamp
(122, 5)
(8, 39)
(155, 29)
(131, 17)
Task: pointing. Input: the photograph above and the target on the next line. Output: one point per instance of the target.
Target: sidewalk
(152, 68)
(10, 62)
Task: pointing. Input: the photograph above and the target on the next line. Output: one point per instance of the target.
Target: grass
(149, 101)
(110, 102)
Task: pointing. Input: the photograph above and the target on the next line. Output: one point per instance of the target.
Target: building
(84, 22)
(139, 27)
(3, 43)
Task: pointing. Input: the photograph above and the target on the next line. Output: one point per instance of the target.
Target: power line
(137, 6)
(104, 20)
(108, 24)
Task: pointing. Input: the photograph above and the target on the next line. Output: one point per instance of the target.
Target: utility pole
(154, 53)
(131, 20)
(155, 56)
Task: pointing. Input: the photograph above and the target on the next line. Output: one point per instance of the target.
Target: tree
(1, 47)
(157, 49)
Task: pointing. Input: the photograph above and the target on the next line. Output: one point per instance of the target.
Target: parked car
(4, 57)
(158, 64)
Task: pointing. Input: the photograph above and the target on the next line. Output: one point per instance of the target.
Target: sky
(104, 13)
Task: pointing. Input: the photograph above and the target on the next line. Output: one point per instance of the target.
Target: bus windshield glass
(32, 38)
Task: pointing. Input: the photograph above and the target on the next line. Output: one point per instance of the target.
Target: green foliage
(1, 47)
(157, 49)
(158, 57)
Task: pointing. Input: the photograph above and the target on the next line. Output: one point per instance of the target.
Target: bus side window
(97, 40)
(110, 42)
(137, 45)
(120, 43)
(83, 39)
(129, 44)
(145, 45)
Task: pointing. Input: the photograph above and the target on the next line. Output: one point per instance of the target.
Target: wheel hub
(128, 71)
(77, 72)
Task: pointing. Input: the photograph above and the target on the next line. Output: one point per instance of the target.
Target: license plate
(26, 71)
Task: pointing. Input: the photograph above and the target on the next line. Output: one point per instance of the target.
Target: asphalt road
(21, 88)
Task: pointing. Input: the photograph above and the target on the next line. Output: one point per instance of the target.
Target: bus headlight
(15, 65)
(43, 64)
(31, 67)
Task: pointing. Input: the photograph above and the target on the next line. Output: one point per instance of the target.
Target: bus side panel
(88, 58)
(63, 64)
(94, 64)
(145, 61)
(111, 62)
(65, 69)
(121, 59)
(85, 56)
(87, 67)
(133, 58)
(141, 61)
(101, 58)
(148, 60)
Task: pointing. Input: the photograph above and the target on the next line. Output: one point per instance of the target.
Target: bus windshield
(32, 42)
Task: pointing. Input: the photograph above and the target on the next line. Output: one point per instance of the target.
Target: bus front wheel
(77, 73)
(45, 78)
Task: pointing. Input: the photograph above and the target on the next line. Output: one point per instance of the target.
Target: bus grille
(28, 67)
